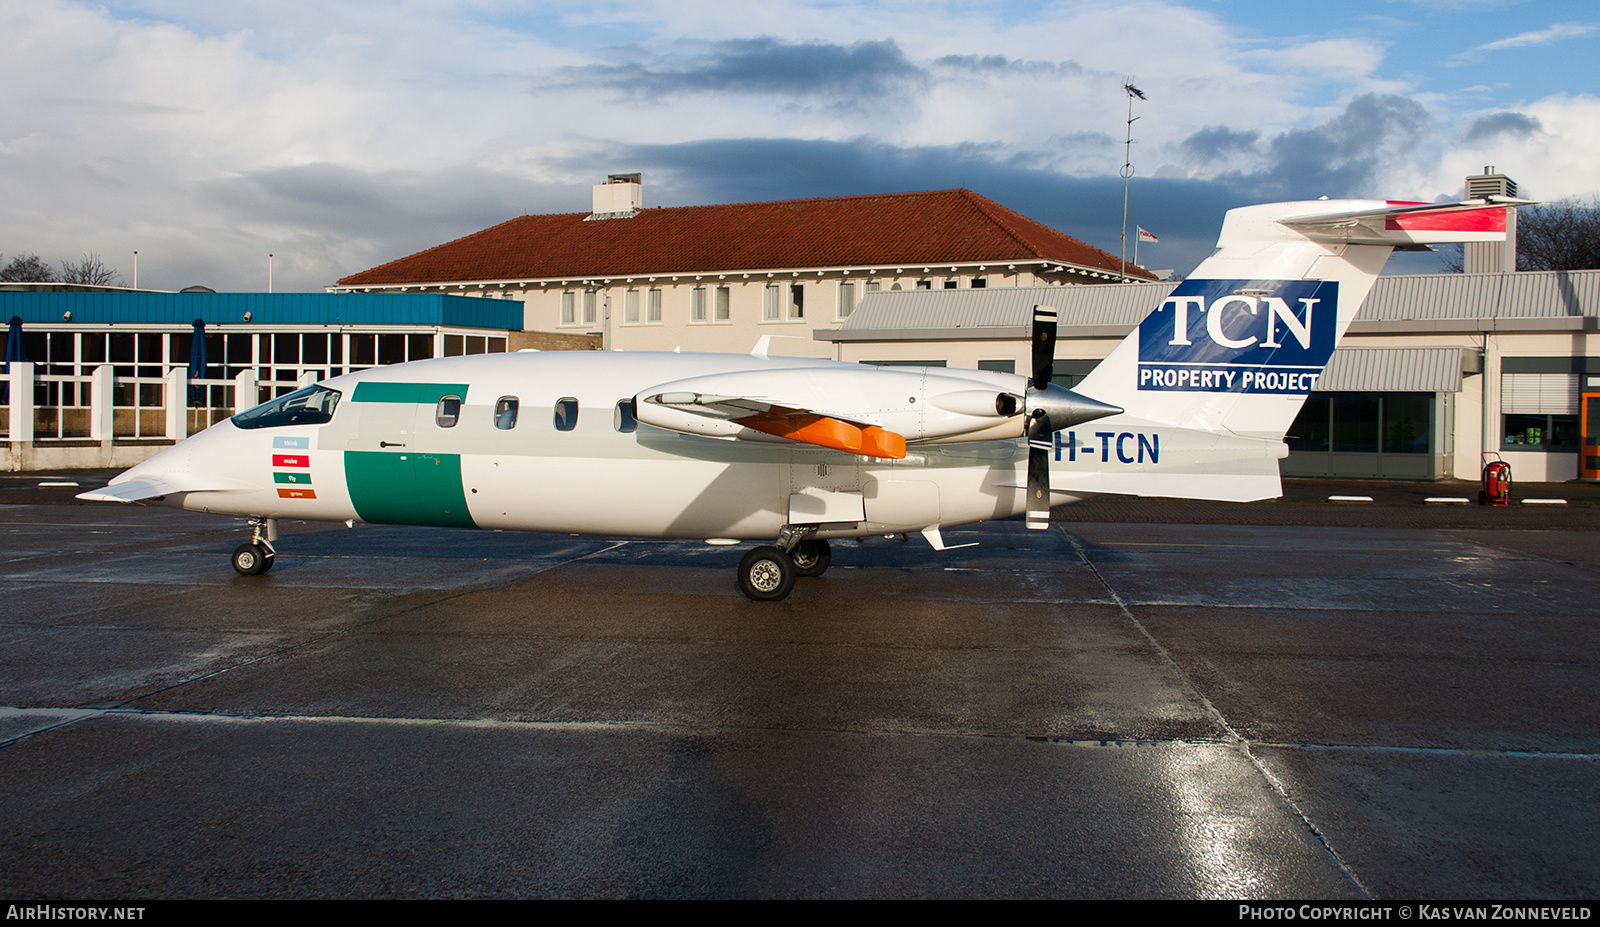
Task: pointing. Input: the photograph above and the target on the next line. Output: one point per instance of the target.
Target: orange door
(1589, 454)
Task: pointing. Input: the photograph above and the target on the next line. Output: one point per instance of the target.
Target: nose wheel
(252, 559)
(256, 557)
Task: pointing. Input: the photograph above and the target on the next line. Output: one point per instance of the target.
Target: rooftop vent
(1492, 257)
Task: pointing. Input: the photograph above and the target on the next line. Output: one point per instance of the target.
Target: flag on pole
(1146, 236)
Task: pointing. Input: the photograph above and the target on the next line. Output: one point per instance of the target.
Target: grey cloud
(764, 66)
(1493, 125)
(326, 221)
(1214, 143)
(1341, 157)
(1186, 214)
(1000, 64)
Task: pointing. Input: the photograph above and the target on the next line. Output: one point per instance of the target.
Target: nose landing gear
(256, 557)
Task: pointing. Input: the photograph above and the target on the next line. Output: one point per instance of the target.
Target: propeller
(1048, 408)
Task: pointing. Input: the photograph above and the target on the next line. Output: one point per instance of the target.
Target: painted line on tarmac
(1234, 737)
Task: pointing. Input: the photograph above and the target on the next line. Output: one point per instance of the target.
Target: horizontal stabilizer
(1410, 224)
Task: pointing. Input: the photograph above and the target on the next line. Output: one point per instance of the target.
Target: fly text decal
(1239, 336)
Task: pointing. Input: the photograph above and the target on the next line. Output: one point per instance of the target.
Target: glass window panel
(448, 412)
(454, 345)
(419, 347)
(1355, 423)
(652, 307)
(505, 413)
(476, 344)
(1406, 422)
(566, 414)
(724, 304)
(94, 348)
(1525, 429)
(1310, 429)
(391, 349)
(1564, 431)
(314, 348)
(286, 349)
(364, 350)
(630, 307)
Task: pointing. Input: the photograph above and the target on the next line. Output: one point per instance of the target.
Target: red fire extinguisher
(1496, 484)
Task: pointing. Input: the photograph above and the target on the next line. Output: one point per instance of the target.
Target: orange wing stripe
(825, 431)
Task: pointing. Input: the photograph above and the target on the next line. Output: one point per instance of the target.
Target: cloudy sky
(339, 136)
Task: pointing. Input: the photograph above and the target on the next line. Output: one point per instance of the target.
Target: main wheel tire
(811, 557)
(249, 560)
(766, 574)
(267, 560)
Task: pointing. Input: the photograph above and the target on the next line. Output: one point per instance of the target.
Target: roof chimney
(1492, 257)
(618, 198)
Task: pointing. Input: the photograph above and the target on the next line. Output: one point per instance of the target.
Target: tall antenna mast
(1127, 171)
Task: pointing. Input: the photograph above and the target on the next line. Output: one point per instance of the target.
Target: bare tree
(27, 268)
(89, 270)
(1564, 235)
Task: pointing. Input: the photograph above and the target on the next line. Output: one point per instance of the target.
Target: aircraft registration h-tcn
(1192, 404)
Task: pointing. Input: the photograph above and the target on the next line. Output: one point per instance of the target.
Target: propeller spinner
(1048, 409)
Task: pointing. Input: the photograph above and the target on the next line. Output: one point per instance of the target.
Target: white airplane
(1193, 404)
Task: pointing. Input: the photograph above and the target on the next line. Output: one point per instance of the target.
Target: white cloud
(1546, 36)
(341, 135)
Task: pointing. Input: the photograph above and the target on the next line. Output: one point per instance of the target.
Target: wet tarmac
(1152, 699)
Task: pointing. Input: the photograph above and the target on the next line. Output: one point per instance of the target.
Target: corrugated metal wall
(1392, 370)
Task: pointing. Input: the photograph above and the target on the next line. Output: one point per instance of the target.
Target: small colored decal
(290, 460)
(303, 479)
(301, 444)
(297, 494)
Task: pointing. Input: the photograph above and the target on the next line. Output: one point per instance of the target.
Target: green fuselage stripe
(422, 393)
(407, 488)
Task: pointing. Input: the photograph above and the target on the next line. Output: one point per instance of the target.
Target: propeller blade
(1041, 442)
(1044, 345)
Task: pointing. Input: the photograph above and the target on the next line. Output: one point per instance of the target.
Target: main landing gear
(767, 573)
(256, 557)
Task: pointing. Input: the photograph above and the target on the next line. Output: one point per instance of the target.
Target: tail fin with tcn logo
(1220, 369)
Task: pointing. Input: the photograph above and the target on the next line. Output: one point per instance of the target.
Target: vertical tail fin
(1238, 346)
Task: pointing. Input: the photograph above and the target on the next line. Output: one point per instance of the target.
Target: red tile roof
(889, 230)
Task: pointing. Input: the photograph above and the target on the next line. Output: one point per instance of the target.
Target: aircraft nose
(169, 472)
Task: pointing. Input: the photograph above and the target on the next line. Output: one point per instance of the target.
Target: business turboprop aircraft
(1193, 404)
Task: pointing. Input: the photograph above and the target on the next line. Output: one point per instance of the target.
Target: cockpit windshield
(312, 405)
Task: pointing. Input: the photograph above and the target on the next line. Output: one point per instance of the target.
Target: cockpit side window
(312, 405)
(448, 412)
(505, 413)
(566, 414)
